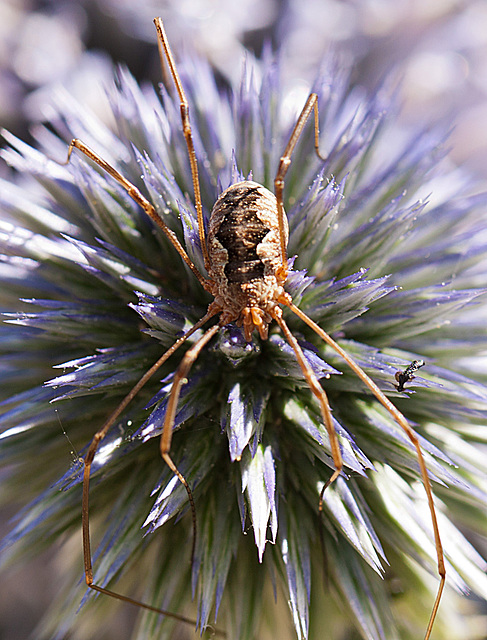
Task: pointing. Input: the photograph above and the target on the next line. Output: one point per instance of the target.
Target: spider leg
(321, 396)
(136, 195)
(184, 108)
(179, 379)
(284, 163)
(403, 423)
(88, 460)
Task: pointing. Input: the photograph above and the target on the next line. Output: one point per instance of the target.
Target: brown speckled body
(244, 250)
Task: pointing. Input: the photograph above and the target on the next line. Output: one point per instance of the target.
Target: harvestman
(245, 256)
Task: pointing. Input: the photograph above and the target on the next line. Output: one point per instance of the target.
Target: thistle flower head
(93, 293)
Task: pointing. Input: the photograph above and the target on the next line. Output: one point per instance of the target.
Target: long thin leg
(135, 194)
(285, 161)
(180, 379)
(184, 107)
(320, 394)
(403, 423)
(98, 437)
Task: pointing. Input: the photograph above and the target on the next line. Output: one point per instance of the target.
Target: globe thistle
(93, 292)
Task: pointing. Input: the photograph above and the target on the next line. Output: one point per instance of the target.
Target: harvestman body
(245, 256)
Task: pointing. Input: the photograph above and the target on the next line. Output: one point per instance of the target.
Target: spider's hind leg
(406, 427)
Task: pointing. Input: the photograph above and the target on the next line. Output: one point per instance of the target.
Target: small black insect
(407, 375)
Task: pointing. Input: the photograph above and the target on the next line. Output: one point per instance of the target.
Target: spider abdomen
(244, 249)
(243, 234)
(240, 233)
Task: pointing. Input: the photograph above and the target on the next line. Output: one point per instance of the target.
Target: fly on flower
(244, 250)
(405, 376)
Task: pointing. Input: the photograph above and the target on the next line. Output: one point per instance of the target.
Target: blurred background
(437, 47)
